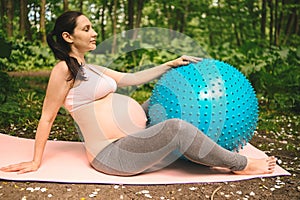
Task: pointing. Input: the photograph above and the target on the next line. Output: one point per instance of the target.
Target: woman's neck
(80, 58)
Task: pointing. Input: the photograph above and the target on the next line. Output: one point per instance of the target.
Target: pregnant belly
(112, 117)
(119, 115)
(109, 118)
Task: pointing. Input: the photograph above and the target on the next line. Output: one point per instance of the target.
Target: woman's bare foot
(259, 166)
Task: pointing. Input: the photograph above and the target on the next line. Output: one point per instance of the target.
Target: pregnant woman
(116, 138)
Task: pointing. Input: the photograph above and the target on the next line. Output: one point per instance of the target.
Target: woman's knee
(181, 126)
(174, 123)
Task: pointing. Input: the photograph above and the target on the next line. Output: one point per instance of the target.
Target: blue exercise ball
(213, 96)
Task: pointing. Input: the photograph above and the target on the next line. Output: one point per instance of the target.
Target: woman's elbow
(127, 79)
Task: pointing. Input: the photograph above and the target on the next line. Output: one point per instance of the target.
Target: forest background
(259, 37)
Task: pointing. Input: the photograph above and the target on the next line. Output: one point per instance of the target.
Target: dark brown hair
(61, 49)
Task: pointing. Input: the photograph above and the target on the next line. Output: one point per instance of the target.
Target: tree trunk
(276, 32)
(140, 6)
(10, 17)
(177, 19)
(209, 26)
(102, 20)
(279, 22)
(80, 5)
(167, 10)
(130, 14)
(130, 18)
(271, 21)
(23, 5)
(297, 25)
(114, 27)
(66, 5)
(24, 22)
(2, 13)
(42, 21)
(237, 37)
(250, 28)
(291, 26)
(183, 16)
(263, 19)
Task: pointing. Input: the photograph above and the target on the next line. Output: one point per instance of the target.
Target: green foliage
(26, 55)
(5, 50)
(5, 88)
(274, 72)
(23, 106)
(279, 80)
(266, 51)
(20, 114)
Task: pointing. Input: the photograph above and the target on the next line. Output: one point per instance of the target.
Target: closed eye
(87, 28)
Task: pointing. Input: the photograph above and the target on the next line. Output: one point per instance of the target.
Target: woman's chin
(92, 47)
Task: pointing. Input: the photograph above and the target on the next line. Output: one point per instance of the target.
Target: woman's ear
(67, 37)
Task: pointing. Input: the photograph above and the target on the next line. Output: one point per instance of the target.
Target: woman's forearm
(41, 138)
(144, 76)
(147, 75)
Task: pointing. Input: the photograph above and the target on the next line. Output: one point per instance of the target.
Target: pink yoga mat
(66, 162)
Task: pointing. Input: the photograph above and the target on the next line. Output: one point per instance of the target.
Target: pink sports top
(96, 86)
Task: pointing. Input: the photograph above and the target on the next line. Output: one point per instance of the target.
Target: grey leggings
(154, 147)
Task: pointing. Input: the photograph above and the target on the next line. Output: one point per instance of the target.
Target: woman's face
(84, 36)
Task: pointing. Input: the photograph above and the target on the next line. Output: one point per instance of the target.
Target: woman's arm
(57, 89)
(141, 77)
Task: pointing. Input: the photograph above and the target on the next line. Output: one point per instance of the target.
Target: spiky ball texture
(211, 95)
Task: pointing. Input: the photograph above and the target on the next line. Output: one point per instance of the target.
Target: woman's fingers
(20, 168)
(12, 168)
(8, 168)
(191, 58)
(183, 60)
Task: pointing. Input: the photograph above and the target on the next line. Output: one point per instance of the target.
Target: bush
(274, 72)
(22, 107)
(5, 88)
(26, 55)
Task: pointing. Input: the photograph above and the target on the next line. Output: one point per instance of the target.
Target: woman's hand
(183, 60)
(21, 168)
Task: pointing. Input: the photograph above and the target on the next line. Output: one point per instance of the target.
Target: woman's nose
(94, 33)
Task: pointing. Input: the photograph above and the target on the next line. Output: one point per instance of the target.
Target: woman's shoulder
(60, 71)
(98, 67)
(61, 68)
